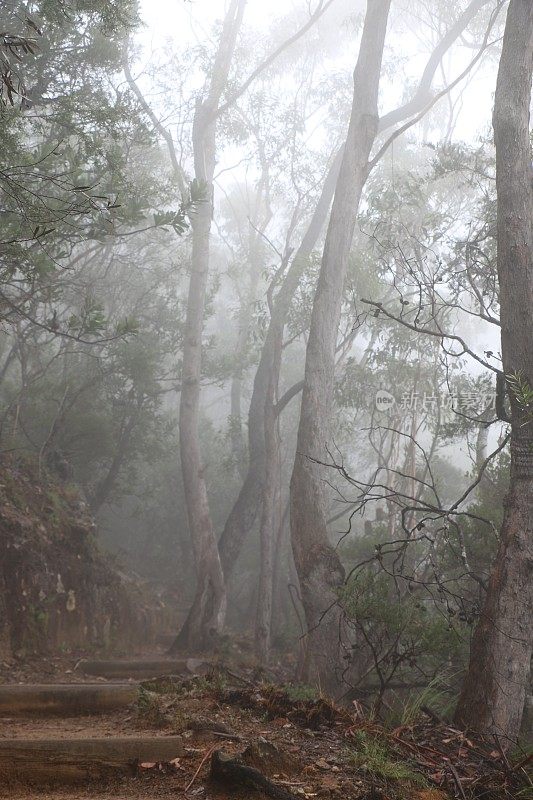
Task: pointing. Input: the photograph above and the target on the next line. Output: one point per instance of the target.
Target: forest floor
(240, 739)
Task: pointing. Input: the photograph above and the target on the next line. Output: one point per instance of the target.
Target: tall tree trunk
(494, 691)
(245, 509)
(209, 607)
(280, 569)
(262, 214)
(267, 525)
(482, 441)
(319, 568)
(481, 451)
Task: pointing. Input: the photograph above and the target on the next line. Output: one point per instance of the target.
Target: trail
(147, 728)
(82, 739)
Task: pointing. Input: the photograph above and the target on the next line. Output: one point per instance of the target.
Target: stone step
(68, 761)
(67, 700)
(141, 668)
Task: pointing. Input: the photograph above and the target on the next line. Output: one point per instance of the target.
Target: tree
(318, 565)
(207, 613)
(319, 568)
(58, 159)
(493, 695)
(210, 603)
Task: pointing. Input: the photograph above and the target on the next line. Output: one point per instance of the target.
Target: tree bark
(266, 528)
(209, 607)
(319, 568)
(494, 691)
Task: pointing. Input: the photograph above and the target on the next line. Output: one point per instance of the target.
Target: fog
(266, 319)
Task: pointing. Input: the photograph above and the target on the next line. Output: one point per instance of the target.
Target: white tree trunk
(319, 568)
(208, 612)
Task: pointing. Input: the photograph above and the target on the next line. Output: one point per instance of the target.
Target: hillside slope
(57, 591)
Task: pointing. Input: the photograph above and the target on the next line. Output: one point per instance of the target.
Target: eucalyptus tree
(209, 616)
(494, 691)
(319, 567)
(206, 617)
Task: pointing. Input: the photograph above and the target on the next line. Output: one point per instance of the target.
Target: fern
(523, 394)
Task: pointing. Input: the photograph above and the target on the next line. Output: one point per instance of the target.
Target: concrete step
(142, 668)
(67, 700)
(70, 761)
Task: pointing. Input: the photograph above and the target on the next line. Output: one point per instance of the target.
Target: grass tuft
(373, 756)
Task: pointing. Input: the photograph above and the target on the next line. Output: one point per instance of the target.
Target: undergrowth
(436, 696)
(158, 711)
(300, 691)
(373, 756)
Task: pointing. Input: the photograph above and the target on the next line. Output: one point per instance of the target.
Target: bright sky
(187, 21)
(182, 20)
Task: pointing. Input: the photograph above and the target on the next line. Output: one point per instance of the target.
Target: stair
(138, 669)
(62, 735)
(66, 761)
(65, 700)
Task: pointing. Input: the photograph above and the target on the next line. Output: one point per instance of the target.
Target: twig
(238, 677)
(504, 758)
(202, 762)
(457, 780)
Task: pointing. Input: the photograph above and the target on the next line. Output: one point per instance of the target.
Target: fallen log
(69, 761)
(233, 771)
(67, 700)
